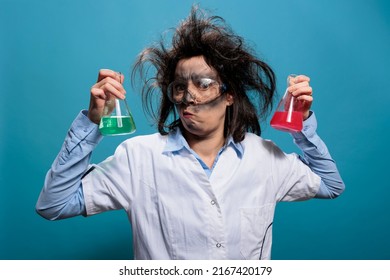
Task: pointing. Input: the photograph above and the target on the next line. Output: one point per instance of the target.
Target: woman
(206, 185)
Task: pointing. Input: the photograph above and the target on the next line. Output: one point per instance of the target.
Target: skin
(300, 88)
(203, 124)
(108, 83)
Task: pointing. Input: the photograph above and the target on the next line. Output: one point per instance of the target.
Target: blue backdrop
(50, 54)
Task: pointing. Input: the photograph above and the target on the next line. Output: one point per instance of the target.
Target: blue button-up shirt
(176, 142)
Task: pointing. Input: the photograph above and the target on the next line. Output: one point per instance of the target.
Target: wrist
(92, 117)
(307, 115)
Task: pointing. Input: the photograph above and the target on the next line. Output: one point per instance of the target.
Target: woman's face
(207, 118)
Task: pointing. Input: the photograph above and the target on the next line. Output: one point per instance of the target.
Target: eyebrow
(205, 74)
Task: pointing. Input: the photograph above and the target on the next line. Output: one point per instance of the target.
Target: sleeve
(61, 196)
(108, 186)
(293, 180)
(319, 160)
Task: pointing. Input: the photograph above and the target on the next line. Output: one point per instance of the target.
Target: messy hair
(249, 80)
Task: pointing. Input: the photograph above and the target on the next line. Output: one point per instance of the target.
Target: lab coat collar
(177, 142)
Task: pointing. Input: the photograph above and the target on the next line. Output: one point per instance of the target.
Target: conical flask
(287, 117)
(116, 119)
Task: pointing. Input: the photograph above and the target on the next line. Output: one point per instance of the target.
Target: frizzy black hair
(223, 50)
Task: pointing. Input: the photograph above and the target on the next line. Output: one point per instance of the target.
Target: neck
(206, 147)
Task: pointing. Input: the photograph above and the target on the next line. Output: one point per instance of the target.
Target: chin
(192, 127)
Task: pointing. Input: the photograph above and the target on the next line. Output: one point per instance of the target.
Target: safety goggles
(204, 90)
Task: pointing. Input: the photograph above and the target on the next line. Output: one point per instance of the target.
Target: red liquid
(280, 121)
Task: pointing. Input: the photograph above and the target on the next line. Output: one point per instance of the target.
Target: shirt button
(218, 245)
(212, 202)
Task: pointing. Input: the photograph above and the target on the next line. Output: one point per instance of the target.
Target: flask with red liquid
(287, 117)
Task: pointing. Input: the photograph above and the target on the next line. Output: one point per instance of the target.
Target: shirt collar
(177, 142)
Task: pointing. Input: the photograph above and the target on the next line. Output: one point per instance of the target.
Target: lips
(187, 114)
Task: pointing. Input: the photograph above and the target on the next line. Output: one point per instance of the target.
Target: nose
(189, 97)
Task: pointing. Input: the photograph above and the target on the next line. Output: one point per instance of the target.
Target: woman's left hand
(300, 88)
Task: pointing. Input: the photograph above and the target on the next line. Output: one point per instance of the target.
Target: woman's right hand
(108, 82)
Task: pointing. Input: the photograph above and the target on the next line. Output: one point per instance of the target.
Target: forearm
(62, 196)
(318, 158)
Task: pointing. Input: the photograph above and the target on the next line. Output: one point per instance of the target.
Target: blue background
(50, 54)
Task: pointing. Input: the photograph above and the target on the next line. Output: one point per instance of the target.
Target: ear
(229, 99)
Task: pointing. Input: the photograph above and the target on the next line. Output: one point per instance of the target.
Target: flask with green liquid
(116, 119)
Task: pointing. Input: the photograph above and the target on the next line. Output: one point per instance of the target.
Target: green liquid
(114, 125)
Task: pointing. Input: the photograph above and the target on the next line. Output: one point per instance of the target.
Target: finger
(298, 85)
(110, 83)
(109, 88)
(114, 81)
(104, 73)
(98, 93)
(104, 90)
(296, 79)
(306, 99)
(300, 78)
(303, 104)
(301, 90)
